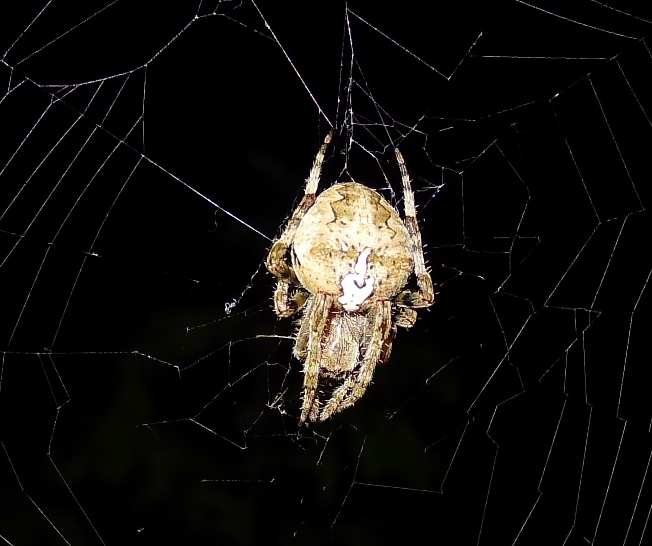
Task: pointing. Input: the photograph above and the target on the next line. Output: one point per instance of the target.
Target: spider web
(149, 157)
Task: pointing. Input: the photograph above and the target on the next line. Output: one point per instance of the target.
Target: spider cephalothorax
(345, 259)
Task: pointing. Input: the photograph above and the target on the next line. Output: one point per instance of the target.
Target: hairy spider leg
(319, 310)
(425, 296)
(287, 302)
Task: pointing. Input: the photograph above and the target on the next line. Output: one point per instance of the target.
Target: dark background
(149, 156)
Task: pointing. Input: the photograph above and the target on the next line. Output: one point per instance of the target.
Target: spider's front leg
(415, 299)
(405, 317)
(425, 296)
(289, 297)
(276, 262)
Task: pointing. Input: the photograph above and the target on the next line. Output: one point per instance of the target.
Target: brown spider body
(345, 220)
(351, 257)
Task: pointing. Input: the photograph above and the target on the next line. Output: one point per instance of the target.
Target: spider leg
(387, 346)
(406, 317)
(277, 259)
(378, 346)
(315, 172)
(303, 334)
(316, 316)
(425, 296)
(289, 299)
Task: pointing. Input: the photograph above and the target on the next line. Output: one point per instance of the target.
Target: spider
(344, 260)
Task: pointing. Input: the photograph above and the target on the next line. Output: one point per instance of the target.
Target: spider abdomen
(353, 244)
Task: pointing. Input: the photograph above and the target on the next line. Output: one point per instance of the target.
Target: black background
(151, 154)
